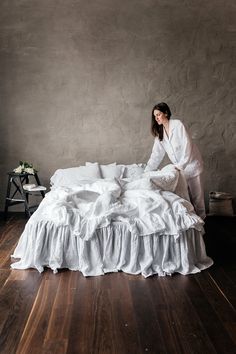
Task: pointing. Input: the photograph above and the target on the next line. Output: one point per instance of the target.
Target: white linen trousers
(184, 154)
(196, 193)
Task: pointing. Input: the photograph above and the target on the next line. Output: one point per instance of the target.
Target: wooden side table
(15, 184)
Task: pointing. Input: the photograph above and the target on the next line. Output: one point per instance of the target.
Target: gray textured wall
(79, 79)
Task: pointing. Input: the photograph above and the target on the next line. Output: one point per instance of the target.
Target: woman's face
(160, 117)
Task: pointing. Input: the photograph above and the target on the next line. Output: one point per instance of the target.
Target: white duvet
(141, 204)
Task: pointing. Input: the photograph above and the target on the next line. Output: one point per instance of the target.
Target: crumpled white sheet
(140, 204)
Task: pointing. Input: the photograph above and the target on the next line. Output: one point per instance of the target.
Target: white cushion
(111, 170)
(72, 176)
(133, 171)
(165, 179)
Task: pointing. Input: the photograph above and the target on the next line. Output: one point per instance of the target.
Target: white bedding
(105, 225)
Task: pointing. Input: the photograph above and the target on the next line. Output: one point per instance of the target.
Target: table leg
(7, 196)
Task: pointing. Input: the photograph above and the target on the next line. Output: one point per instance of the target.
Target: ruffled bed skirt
(113, 248)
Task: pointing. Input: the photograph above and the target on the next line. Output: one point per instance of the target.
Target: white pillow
(72, 176)
(165, 179)
(133, 171)
(110, 171)
(182, 187)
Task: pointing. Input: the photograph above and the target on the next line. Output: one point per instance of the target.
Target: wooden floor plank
(213, 325)
(151, 337)
(58, 330)
(4, 274)
(226, 285)
(190, 329)
(165, 309)
(92, 326)
(126, 337)
(226, 313)
(36, 326)
(8, 240)
(16, 299)
(230, 270)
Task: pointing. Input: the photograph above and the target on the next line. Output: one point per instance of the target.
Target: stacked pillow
(133, 176)
(133, 171)
(165, 179)
(71, 176)
(109, 171)
(91, 171)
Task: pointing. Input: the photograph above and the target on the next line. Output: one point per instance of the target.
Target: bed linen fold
(113, 249)
(144, 209)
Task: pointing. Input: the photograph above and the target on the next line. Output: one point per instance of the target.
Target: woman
(171, 137)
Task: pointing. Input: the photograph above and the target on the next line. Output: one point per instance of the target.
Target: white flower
(18, 169)
(29, 170)
(25, 167)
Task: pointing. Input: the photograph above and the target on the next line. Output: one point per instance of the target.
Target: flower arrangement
(25, 167)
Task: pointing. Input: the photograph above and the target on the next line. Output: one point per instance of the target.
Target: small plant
(25, 167)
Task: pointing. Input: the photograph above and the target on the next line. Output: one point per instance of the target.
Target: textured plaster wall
(79, 79)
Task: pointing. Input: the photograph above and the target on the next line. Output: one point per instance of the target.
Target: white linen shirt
(182, 152)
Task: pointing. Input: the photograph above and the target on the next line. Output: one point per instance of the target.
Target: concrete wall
(79, 79)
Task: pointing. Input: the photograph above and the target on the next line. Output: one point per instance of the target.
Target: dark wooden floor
(115, 313)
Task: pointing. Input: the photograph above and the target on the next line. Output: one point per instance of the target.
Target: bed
(98, 219)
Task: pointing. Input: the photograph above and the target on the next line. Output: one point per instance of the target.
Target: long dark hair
(156, 129)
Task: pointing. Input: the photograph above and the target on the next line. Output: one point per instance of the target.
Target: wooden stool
(15, 184)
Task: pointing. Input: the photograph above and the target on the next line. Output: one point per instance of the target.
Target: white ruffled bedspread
(109, 225)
